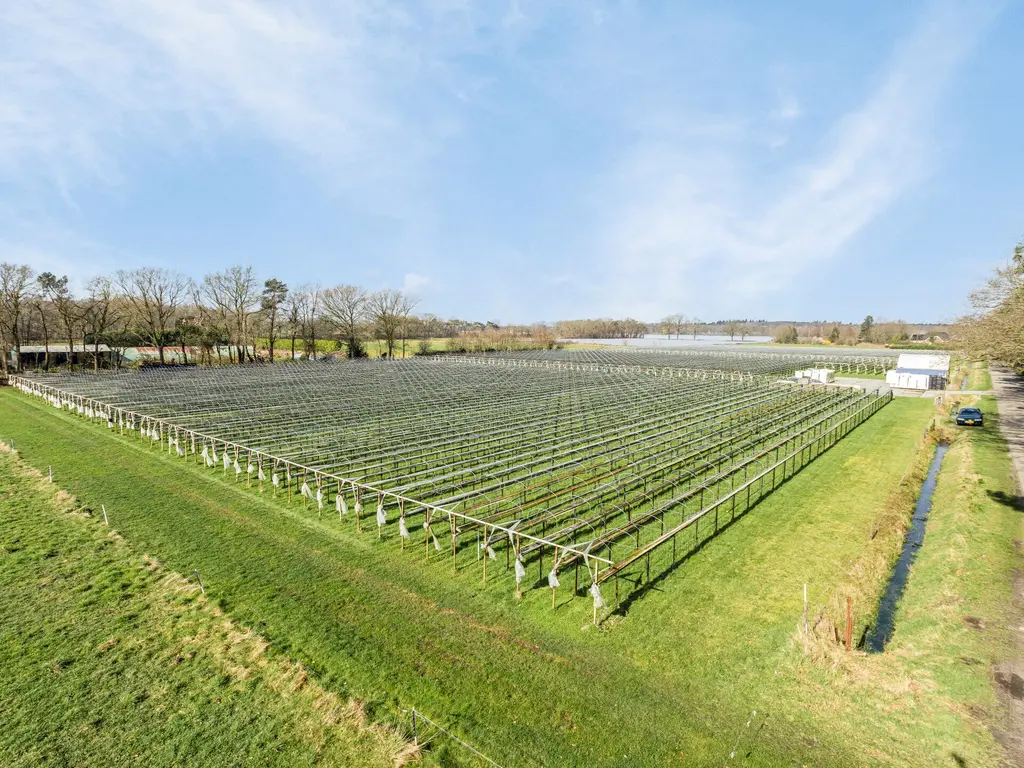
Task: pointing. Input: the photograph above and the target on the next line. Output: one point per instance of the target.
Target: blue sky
(525, 160)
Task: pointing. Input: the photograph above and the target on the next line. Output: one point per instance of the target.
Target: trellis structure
(750, 361)
(558, 467)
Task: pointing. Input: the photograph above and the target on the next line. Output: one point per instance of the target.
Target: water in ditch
(881, 633)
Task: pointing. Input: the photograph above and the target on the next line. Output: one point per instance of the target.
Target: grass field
(109, 659)
(674, 681)
(978, 377)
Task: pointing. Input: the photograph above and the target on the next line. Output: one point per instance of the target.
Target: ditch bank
(885, 623)
(850, 611)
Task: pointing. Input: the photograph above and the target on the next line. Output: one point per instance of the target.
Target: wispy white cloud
(699, 226)
(82, 82)
(415, 285)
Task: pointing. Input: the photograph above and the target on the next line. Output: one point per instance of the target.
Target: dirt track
(1009, 675)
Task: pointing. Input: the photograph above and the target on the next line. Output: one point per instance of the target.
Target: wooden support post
(805, 609)
(849, 622)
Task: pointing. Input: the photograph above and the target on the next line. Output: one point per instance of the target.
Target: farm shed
(34, 355)
(919, 371)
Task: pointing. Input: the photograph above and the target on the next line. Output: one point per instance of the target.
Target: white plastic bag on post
(319, 499)
(553, 579)
(382, 518)
(238, 469)
(595, 592)
(520, 571)
(260, 476)
(275, 480)
(304, 490)
(402, 530)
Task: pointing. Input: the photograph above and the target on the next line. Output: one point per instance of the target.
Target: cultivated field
(605, 472)
(707, 666)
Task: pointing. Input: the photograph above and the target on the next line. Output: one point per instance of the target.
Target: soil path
(1009, 675)
(1009, 392)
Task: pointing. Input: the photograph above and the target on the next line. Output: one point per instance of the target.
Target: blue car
(970, 417)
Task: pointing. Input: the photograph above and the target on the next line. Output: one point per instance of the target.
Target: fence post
(805, 609)
(849, 621)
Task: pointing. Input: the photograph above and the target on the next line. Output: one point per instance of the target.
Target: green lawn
(674, 681)
(109, 659)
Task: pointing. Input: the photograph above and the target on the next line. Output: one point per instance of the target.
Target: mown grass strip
(109, 659)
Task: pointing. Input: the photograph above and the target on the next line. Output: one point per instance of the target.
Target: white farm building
(918, 370)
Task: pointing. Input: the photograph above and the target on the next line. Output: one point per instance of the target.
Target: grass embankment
(975, 371)
(673, 682)
(953, 624)
(978, 377)
(929, 697)
(109, 659)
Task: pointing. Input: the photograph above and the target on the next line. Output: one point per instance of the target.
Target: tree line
(228, 313)
(994, 329)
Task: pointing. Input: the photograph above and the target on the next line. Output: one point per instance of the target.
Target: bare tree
(154, 295)
(694, 325)
(296, 300)
(674, 324)
(234, 294)
(309, 317)
(15, 287)
(57, 291)
(271, 302)
(39, 302)
(732, 327)
(389, 310)
(995, 329)
(345, 307)
(100, 312)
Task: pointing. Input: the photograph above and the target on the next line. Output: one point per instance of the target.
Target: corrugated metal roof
(39, 349)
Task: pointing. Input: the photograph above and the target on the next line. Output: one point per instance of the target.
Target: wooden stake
(849, 622)
(805, 609)
(105, 521)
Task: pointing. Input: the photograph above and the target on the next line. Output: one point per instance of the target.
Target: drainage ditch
(881, 632)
